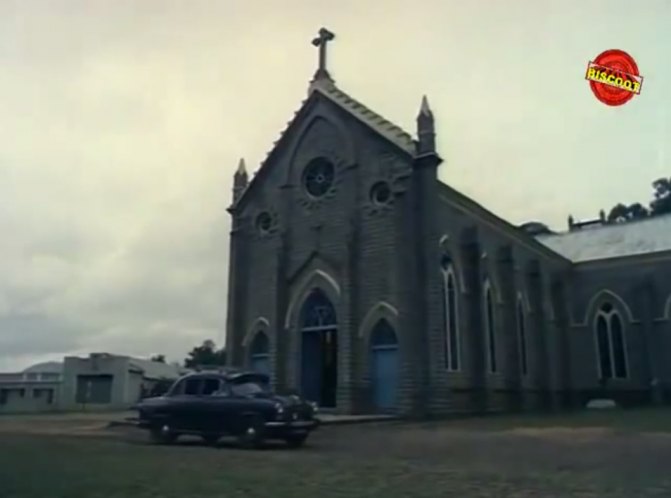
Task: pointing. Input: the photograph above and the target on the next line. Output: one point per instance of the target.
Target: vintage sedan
(213, 404)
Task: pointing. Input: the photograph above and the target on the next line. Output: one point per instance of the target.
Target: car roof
(228, 374)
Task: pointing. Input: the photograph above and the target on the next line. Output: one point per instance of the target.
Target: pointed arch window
(451, 315)
(522, 336)
(318, 312)
(609, 330)
(490, 327)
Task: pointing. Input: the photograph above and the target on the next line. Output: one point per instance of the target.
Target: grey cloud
(37, 334)
(122, 123)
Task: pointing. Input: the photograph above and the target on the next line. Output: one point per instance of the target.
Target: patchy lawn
(632, 420)
(614, 454)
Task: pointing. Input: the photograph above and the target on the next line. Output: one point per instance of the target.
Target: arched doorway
(319, 349)
(259, 354)
(384, 365)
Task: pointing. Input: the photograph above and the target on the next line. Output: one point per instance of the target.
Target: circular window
(318, 177)
(263, 222)
(380, 193)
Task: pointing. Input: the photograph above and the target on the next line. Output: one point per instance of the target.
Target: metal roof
(614, 240)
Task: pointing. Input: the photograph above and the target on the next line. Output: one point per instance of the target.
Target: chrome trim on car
(296, 424)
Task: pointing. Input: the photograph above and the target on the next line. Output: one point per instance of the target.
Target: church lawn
(621, 454)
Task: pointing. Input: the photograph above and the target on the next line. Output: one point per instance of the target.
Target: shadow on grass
(225, 443)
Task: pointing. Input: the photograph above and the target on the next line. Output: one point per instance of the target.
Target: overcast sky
(121, 123)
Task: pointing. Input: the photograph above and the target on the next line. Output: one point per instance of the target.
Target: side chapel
(360, 279)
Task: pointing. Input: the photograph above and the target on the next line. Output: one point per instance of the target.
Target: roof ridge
(354, 106)
(607, 225)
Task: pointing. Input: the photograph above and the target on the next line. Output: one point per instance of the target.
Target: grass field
(614, 454)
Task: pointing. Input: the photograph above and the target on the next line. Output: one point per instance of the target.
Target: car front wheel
(162, 435)
(251, 434)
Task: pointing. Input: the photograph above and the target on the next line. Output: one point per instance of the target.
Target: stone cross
(324, 37)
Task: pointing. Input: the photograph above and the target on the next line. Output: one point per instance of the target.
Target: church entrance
(319, 350)
(384, 366)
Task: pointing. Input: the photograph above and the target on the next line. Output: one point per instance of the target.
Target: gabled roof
(614, 240)
(393, 133)
(474, 209)
(45, 367)
(326, 87)
(155, 369)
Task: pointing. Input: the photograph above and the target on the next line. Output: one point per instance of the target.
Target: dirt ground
(619, 455)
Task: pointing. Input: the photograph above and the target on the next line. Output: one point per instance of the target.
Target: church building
(362, 281)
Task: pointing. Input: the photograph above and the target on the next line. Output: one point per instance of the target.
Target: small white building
(36, 389)
(101, 381)
(110, 382)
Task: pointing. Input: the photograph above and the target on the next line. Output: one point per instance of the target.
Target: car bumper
(291, 426)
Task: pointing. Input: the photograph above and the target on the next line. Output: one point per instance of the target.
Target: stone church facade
(361, 280)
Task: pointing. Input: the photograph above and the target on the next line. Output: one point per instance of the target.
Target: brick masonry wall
(390, 255)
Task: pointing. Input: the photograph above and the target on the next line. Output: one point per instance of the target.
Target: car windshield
(249, 388)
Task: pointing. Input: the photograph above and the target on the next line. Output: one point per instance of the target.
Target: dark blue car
(213, 404)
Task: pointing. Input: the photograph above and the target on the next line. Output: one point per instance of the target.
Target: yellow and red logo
(614, 78)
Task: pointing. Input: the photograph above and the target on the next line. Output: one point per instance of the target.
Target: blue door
(259, 357)
(311, 366)
(261, 364)
(384, 366)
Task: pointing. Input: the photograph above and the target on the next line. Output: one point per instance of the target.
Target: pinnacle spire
(426, 132)
(239, 180)
(242, 169)
(424, 108)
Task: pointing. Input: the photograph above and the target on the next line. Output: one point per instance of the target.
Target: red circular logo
(614, 78)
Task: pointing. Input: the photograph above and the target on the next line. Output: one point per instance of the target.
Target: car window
(192, 386)
(177, 388)
(249, 388)
(210, 386)
(224, 391)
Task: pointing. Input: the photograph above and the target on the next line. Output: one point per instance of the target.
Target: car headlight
(315, 406)
(279, 408)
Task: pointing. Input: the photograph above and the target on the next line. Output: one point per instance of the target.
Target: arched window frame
(522, 335)
(489, 319)
(608, 317)
(451, 329)
(324, 317)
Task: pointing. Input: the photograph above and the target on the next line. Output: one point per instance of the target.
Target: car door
(222, 409)
(210, 406)
(183, 406)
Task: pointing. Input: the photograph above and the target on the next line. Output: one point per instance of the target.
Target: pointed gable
(383, 127)
(325, 88)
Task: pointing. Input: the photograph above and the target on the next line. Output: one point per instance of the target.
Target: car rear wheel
(162, 435)
(296, 441)
(251, 434)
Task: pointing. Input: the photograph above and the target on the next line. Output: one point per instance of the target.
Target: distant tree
(621, 213)
(661, 204)
(637, 211)
(159, 358)
(205, 354)
(618, 214)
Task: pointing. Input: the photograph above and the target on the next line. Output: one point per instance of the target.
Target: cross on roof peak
(320, 41)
